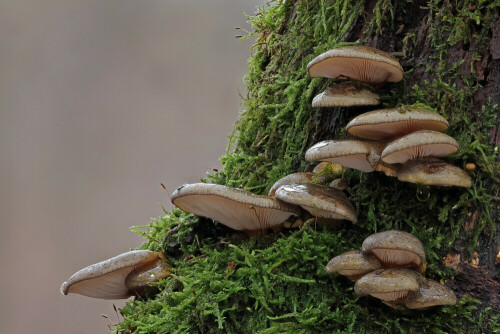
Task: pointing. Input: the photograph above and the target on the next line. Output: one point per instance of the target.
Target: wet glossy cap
(345, 94)
(388, 284)
(290, 179)
(353, 264)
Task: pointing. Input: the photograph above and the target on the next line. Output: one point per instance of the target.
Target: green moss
(278, 283)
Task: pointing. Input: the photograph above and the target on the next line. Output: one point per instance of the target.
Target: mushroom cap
(353, 264)
(434, 172)
(431, 293)
(106, 279)
(419, 144)
(320, 201)
(147, 275)
(345, 94)
(361, 63)
(292, 178)
(339, 184)
(396, 122)
(395, 248)
(235, 208)
(349, 153)
(388, 284)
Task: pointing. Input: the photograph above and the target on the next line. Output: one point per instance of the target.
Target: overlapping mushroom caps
(385, 269)
(434, 172)
(345, 94)
(119, 277)
(235, 208)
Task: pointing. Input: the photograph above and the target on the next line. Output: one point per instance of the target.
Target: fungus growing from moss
(388, 284)
(290, 179)
(361, 63)
(320, 201)
(396, 249)
(235, 208)
(353, 264)
(108, 279)
(349, 153)
(345, 94)
(395, 122)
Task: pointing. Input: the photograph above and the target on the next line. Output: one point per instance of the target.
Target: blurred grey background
(100, 101)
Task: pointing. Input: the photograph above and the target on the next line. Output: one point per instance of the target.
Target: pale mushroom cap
(349, 153)
(235, 208)
(146, 275)
(431, 293)
(292, 178)
(353, 264)
(320, 201)
(361, 63)
(339, 184)
(106, 279)
(388, 284)
(395, 248)
(396, 122)
(434, 172)
(345, 94)
(419, 144)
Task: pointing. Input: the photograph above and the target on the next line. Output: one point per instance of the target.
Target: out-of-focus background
(100, 101)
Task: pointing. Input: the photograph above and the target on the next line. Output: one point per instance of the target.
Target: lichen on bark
(278, 283)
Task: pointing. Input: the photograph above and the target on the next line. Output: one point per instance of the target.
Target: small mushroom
(396, 122)
(396, 249)
(434, 172)
(430, 293)
(319, 201)
(235, 208)
(350, 153)
(107, 279)
(339, 184)
(345, 94)
(353, 264)
(419, 144)
(361, 63)
(292, 178)
(388, 284)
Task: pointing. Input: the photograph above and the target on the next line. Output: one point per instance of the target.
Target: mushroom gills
(390, 296)
(397, 257)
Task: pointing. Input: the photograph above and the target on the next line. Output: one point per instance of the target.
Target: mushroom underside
(397, 257)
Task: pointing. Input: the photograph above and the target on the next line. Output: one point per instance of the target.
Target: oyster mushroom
(292, 178)
(434, 172)
(388, 284)
(345, 94)
(350, 153)
(430, 293)
(320, 201)
(419, 144)
(396, 249)
(108, 279)
(353, 264)
(395, 122)
(361, 63)
(235, 208)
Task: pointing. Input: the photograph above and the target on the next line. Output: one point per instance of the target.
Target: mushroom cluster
(245, 211)
(403, 142)
(390, 267)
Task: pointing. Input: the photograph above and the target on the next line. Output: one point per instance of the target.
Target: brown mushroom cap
(320, 201)
(345, 94)
(395, 248)
(361, 63)
(106, 279)
(388, 284)
(292, 178)
(434, 172)
(430, 293)
(236, 208)
(147, 275)
(353, 264)
(396, 122)
(349, 153)
(419, 144)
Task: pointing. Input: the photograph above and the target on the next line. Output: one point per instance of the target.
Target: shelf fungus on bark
(345, 94)
(395, 122)
(235, 208)
(360, 63)
(353, 264)
(320, 201)
(434, 172)
(396, 249)
(419, 144)
(119, 277)
(388, 284)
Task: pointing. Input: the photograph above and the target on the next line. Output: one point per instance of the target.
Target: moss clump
(278, 283)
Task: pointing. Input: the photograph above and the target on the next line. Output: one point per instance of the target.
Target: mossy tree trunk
(450, 51)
